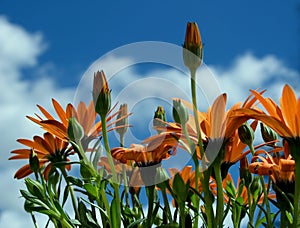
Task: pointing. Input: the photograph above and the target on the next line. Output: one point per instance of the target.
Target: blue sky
(45, 47)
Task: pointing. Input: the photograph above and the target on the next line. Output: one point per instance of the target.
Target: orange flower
(48, 149)
(85, 115)
(284, 119)
(278, 168)
(143, 155)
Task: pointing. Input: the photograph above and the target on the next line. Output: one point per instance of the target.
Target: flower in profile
(192, 47)
(284, 119)
(48, 149)
(147, 157)
(143, 155)
(85, 116)
(280, 168)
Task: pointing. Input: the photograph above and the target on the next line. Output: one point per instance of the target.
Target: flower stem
(71, 190)
(297, 194)
(114, 174)
(220, 196)
(200, 143)
(265, 200)
(150, 191)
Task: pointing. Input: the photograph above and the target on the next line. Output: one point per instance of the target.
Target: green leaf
(97, 157)
(35, 188)
(75, 181)
(180, 189)
(91, 189)
(230, 189)
(86, 171)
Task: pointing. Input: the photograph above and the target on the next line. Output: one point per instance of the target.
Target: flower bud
(192, 47)
(267, 133)
(244, 171)
(75, 130)
(122, 120)
(246, 134)
(34, 162)
(255, 187)
(159, 114)
(101, 94)
(161, 177)
(180, 113)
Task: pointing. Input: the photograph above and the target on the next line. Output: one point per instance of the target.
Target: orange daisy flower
(280, 168)
(85, 115)
(49, 150)
(284, 119)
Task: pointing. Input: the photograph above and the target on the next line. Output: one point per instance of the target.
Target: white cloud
(19, 49)
(249, 72)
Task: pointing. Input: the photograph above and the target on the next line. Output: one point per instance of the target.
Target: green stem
(33, 220)
(297, 194)
(265, 200)
(71, 191)
(208, 200)
(124, 173)
(114, 174)
(150, 191)
(200, 143)
(166, 203)
(220, 196)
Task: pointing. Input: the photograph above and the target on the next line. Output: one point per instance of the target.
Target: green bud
(34, 162)
(244, 171)
(192, 47)
(255, 187)
(159, 114)
(75, 130)
(180, 113)
(267, 133)
(161, 177)
(123, 122)
(101, 94)
(246, 134)
(86, 171)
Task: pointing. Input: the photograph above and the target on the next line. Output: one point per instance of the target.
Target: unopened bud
(161, 115)
(161, 177)
(192, 47)
(122, 120)
(34, 162)
(180, 113)
(246, 134)
(255, 187)
(101, 94)
(75, 130)
(267, 133)
(244, 171)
